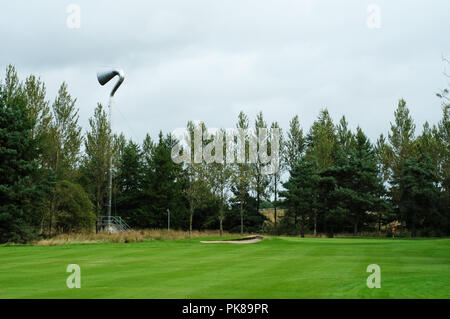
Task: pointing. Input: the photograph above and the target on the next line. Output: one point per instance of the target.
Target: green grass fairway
(274, 268)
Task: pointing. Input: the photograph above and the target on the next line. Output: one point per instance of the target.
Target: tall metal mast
(103, 78)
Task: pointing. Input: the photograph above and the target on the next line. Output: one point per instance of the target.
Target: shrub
(74, 210)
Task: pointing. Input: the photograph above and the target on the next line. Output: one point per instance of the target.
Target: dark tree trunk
(221, 221)
(52, 210)
(379, 223)
(221, 215)
(275, 201)
(191, 214)
(302, 229)
(315, 223)
(355, 228)
(257, 193)
(413, 228)
(53, 204)
(242, 219)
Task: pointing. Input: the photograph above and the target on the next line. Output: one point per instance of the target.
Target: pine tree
(295, 144)
(301, 191)
(393, 151)
(367, 183)
(322, 140)
(21, 190)
(128, 184)
(418, 192)
(163, 185)
(39, 108)
(354, 187)
(39, 111)
(344, 135)
(98, 144)
(322, 145)
(260, 181)
(62, 152)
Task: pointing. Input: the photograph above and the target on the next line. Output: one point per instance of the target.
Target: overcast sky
(209, 59)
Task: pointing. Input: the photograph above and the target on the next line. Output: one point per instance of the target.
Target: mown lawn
(277, 267)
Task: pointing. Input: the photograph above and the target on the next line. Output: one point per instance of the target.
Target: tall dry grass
(126, 237)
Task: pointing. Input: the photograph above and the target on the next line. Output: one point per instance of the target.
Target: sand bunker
(246, 240)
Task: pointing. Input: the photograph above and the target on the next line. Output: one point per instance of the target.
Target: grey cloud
(207, 60)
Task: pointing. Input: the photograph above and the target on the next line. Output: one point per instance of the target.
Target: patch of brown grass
(131, 236)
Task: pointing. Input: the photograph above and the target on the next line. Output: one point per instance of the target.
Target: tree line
(54, 176)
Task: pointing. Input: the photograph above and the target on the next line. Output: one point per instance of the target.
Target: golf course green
(277, 267)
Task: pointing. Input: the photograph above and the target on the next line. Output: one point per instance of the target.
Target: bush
(74, 210)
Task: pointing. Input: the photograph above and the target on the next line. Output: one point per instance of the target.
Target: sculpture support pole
(110, 164)
(103, 78)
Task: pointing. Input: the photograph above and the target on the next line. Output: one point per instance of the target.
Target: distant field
(277, 267)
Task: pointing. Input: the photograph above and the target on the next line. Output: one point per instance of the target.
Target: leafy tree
(21, 191)
(35, 94)
(39, 111)
(62, 152)
(242, 174)
(278, 166)
(196, 190)
(260, 181)
(442, 134)
(39, 107)
(220, 179)
(443, 140)
(95, 163)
